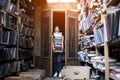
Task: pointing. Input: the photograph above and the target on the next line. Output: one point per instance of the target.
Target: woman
(57, 52)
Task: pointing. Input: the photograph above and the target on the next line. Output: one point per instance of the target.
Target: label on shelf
(19, 20)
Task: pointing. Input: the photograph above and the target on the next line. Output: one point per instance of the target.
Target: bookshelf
(26, 38)
(16, 54)
(101, 19)
(8, 38)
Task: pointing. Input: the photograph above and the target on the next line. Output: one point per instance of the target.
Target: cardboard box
(12, 78)
(29, 76)
(76, 72)
(33, 74)
(43, 72)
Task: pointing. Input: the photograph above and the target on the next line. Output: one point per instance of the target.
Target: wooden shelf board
(89, 47)
(25, 58)
(112, 2)
(5, 44)
(1, 60)
(7, 74)
(8, 28)
(26, 48)
(27, 25)
(115, 42)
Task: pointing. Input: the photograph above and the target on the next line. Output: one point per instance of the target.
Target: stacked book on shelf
(111, 27)
(7, 53)
(9, 68)
(26, 36)
(26, 19)
(8, 5)
(7, 20)
(26, 42)
(86, 22)
(115, 74)
(8, 37)
(25, 53)
(87, 41)
(99, 35)
(112, 24)
(26, 30)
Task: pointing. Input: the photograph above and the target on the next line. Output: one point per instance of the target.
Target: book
(98, 35)
(111, 24)
(7, 53)
(26, 42)
(7, 68)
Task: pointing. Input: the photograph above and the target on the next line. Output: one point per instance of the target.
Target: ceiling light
(30, 0)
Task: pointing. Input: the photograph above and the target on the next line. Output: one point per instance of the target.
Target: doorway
(59, 20)
(67, 22)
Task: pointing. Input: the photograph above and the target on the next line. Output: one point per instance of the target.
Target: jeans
(57, 64)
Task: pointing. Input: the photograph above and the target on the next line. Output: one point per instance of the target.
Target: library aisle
(59, 39)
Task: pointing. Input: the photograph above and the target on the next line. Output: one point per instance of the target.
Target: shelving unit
(8, 39)
(11, 62)
(26, 37)
(105, 42)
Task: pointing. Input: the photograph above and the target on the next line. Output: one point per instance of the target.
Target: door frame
(51, 53)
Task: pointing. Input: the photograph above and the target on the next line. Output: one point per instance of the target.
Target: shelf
(89, 47)
(113, 77)
(89, 31)
(26, 48)
(27, 25)
(5, 44)
(6, 60)
(115, 42)
(10, 13)
(22, 35)
(94, 46)
(7, 74)
(112, 2)
(26, 58)
(100, 45)
(103, 71)
(8, 28)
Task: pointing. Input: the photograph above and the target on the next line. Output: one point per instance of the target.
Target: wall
(37, 38)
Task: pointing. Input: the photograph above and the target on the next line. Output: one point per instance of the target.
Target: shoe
(55, 75)
(60, 75)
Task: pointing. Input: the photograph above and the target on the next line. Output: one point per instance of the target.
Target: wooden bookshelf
(109, 44)
(14, 16)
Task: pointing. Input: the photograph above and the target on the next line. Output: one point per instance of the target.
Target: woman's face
(56, 29)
